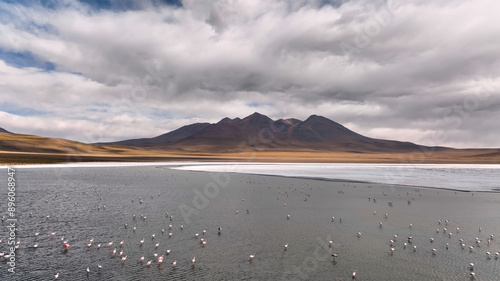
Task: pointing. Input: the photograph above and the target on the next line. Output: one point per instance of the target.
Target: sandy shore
(417, 157)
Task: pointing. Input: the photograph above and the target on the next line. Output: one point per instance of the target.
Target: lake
(84, 202)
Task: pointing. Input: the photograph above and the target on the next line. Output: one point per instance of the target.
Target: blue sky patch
(24, 59)
(126, 5)
(19, 110)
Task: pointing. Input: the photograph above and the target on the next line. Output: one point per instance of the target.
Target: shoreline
(413, 157)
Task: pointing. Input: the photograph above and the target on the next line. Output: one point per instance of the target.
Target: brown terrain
(253, 138)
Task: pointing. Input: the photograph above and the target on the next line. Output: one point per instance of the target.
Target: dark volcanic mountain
(259, 132)
(2, 130)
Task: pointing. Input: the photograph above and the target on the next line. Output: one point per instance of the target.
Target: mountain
(171, 137)
(253, 138)
(2, 130)
(258, 132)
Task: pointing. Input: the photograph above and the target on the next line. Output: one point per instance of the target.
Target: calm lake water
(79, 203)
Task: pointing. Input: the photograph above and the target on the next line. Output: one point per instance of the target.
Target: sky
(423, 71)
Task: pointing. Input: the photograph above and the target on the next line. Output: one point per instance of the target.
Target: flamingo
(251, 257)
(354, 274)
(56, 276)
(149, 263)
(174, 263)
(193, 261)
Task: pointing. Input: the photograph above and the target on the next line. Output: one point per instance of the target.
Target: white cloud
(386, 71)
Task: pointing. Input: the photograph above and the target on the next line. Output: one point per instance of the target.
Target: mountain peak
(224, 120)
(315, 117)
(256, 119)
(256, 115)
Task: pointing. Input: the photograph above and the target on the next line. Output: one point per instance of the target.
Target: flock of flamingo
(118, 248)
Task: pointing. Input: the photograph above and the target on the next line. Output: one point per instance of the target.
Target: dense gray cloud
(405, 70)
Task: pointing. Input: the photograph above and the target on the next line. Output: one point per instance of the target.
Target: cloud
(387, 69)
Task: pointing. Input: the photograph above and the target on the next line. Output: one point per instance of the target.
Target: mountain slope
(171, 137)
(2, 130)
